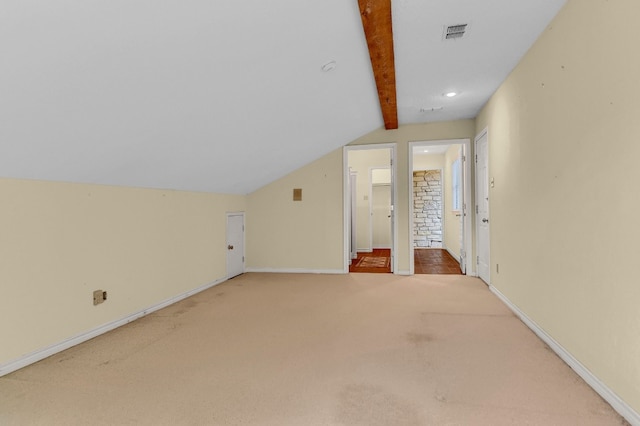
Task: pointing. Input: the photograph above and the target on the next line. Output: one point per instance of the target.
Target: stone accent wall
(427, 208)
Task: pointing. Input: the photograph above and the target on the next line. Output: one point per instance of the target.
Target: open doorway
(369, 208)
(439, 195)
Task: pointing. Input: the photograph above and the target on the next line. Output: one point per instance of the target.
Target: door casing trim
(467, 223)
(393, 146)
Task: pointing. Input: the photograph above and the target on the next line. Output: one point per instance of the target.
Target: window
(456, 185)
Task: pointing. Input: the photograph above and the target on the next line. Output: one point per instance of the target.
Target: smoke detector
(329, 66)
(454, 32)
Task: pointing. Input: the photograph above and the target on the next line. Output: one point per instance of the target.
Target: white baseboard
(43, 353)
(632, 416)
(297, 271)
(455, 256)
(365, 250)
(403, 272)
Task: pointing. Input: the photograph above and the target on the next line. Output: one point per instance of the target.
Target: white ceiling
(499, 33)
(431, 149)
(228, 96)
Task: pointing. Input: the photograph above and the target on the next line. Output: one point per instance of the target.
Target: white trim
(43, 353)
(405, 272)
(365, 250)
(467, 223)
(394, 201)
(603, 390)
(455, 256)
(393, 146)
(346, 220)
(297, 271)
(353, 222)
(370, 146)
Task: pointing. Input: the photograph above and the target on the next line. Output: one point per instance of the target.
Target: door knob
(485, 220)
(230, 247)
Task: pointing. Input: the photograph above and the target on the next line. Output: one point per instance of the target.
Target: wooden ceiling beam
(376, 21)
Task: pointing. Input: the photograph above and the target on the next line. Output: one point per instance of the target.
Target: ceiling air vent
(453, 32)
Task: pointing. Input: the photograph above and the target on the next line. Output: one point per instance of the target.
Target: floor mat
(373, 262)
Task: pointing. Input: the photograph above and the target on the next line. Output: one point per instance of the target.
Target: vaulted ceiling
(228, 96)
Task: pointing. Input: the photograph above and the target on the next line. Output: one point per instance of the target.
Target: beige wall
(283, 235)
(298, 235)
(361, 162)
(428, 162)
(461, 129)
(452, 219)
(563, 149)
(62, 241)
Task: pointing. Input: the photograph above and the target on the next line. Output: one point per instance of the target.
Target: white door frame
(353, 179)
(467, 243)
(346, 193)
(244, 240)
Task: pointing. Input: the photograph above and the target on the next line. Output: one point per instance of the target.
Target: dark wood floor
(426, 261)
(434, 261)
(376, 253)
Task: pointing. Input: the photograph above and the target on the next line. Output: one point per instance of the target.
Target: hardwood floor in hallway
(435, 261)
(377, 262)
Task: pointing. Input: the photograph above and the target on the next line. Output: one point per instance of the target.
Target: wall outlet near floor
(99, 296)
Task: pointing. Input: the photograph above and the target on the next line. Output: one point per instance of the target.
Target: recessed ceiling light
(451, 94)
(426, 150)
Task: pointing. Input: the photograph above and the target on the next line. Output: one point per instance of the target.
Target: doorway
(369, 201)
(439, 199)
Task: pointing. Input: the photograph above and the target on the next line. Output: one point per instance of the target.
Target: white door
(482, 207)
(381, 215)
(463, 212)
(392, 208)
(235, 244)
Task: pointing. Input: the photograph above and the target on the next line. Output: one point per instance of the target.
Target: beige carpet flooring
(272, 349)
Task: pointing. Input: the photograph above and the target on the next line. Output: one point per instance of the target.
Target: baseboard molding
(43, 353)
(364, 250)
(403, 273)
(455, 256)
(632, 416)
(297, 271)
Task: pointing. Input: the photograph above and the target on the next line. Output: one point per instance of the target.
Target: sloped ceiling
(228, 96)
